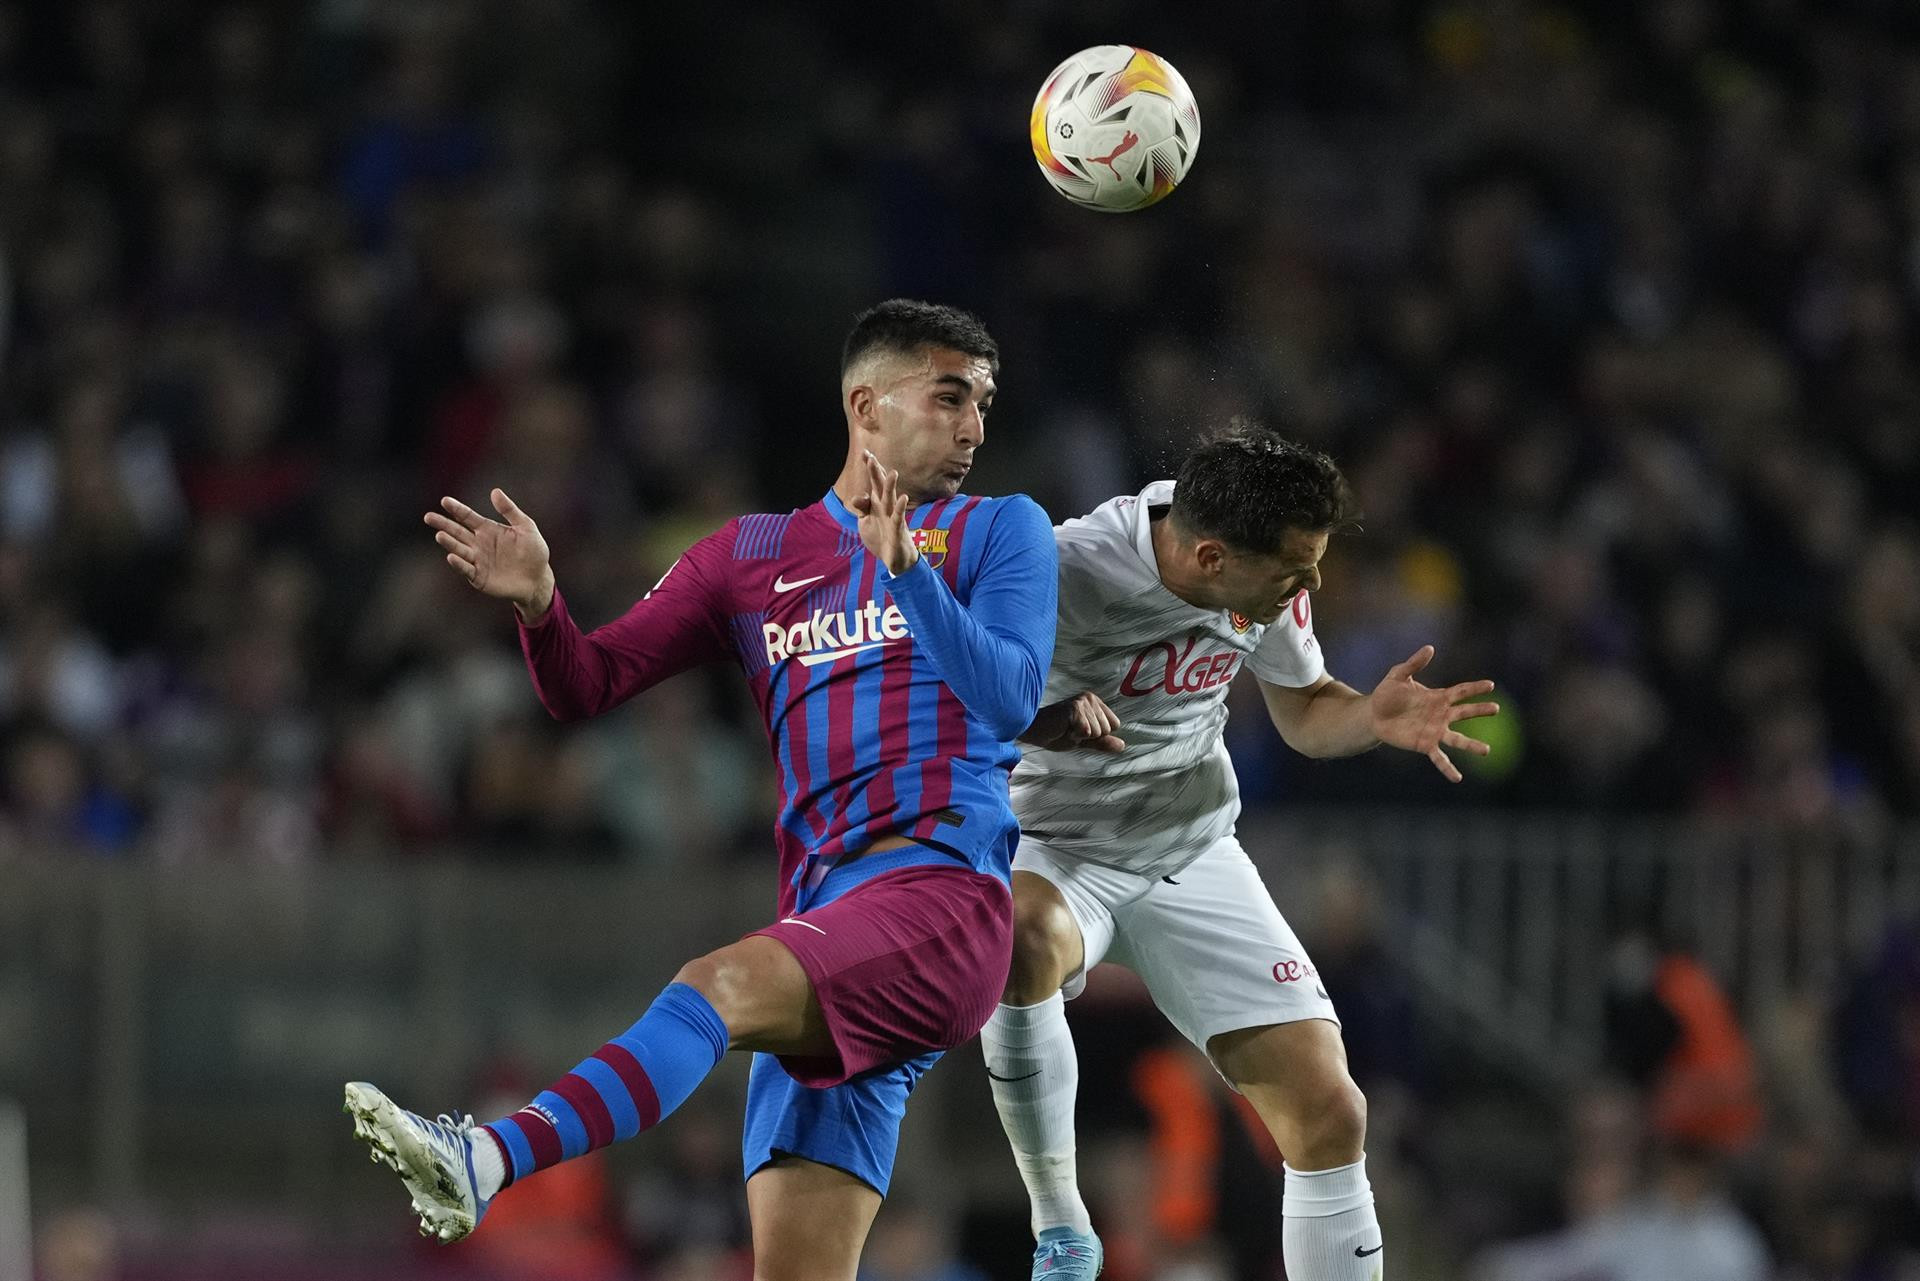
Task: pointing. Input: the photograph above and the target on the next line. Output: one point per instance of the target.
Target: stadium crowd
(1610, 311)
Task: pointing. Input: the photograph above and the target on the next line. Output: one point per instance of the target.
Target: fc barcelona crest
(1239, 620)
(933, 545)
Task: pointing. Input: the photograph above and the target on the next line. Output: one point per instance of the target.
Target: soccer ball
(1115, 128)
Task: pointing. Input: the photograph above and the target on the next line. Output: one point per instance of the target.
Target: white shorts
(1214, 951)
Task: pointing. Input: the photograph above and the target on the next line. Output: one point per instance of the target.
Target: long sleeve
(677, 625)
(994, 651)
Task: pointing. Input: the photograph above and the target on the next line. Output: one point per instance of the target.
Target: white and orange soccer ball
(1115, 128)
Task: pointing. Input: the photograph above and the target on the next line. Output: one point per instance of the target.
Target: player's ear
(1211, 555)
(863, 408)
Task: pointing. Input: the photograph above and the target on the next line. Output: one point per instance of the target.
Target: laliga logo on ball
(1115, 128)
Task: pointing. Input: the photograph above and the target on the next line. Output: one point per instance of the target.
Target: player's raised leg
(1295, 1075)
(752, 994)
(1035, 1076)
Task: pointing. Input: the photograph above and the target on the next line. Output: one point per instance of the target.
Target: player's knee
(1043, 936)
(725, 983)
(1332, 1119)
(704, 974)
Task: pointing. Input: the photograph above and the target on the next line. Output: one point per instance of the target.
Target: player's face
(1263, 586)
(931, 416)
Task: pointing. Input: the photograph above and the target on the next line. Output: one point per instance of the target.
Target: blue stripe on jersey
(819, 714)
(750, 642)
(827, 600)
(849, 543)
(778, 709)
(950, 511)
(760, 536)
(922, 711)
(981, 745)
(866, 717)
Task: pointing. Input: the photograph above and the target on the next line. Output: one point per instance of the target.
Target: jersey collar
(838, 510)
(846, 518)
(1157, 494)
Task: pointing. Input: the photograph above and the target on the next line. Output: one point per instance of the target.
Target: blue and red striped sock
(627, 1086)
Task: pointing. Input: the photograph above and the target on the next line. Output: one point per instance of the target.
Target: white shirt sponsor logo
(825, 637)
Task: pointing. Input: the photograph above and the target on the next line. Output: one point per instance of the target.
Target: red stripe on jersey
(799, 676)
(950, 568)
(896, 683)
(950, 740)
(589, 1107)
(793, 852)
(950, 715)
(844, 677)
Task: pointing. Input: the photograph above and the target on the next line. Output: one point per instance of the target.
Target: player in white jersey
(1127, 811)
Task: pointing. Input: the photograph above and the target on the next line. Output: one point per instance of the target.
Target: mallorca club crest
(932, 544)
(1239, 620)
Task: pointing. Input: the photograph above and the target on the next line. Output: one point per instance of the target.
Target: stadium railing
(182, 1031)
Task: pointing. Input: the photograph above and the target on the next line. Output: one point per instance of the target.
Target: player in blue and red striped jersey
(896, 637)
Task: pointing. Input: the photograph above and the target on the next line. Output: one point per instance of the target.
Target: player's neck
(1173, 561)
(850, 483)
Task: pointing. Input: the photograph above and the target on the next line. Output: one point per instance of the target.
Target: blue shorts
(853, 1123)
(853, 1126)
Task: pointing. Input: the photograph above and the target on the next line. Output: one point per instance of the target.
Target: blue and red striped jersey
(891, 704)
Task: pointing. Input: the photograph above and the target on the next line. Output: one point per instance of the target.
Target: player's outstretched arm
(578, 674)
(505, 559)
(1328, 718)
(1084, 720)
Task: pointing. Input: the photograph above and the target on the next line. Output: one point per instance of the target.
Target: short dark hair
(1247, 486)
(909, 326)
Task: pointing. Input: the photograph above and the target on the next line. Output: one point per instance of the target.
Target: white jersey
(1163, 666)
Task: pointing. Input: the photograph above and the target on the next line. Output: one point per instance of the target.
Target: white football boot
(433, 1158)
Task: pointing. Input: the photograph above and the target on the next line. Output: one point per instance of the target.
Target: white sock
(1035, 1076)
(489, 1164)
(1329, 1232)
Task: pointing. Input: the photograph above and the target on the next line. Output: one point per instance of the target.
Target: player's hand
(883, 519)
(1407, 714)
(507, 561)
(1083, 721)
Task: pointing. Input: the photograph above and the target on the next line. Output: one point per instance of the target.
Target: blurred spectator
(1877, 1038)
(690, 1205)
(1672, 1032)
(912, 1240)
(352, 270)
(1683, 1225)
(79, 1244)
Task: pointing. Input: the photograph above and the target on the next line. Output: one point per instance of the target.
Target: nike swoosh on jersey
(781, 584)
(828, 655)
(809, 925)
